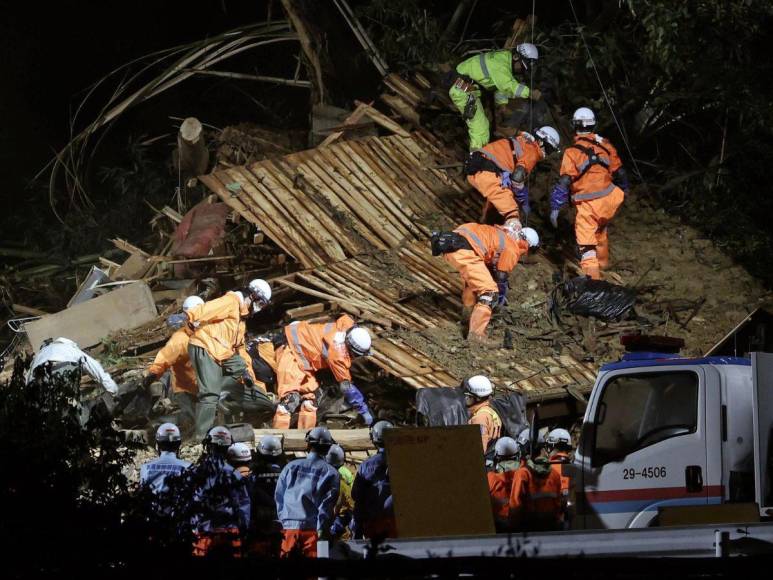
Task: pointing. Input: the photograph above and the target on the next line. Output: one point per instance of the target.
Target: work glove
(503, 288)
(290, 402)
(338, 528)
(355, 399)
(147, 379)
(505, 181)
(247, 380)
(554, 218)
(559, 196)
(535, 95)
(522, 197)
(177, 320)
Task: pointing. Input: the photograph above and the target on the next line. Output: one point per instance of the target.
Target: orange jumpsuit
(492, 249)
(535, 499)
(174, 355)
(500, 485)
(310, 348)
(490, 424)
(557, 460)
(595, 197)
(508, 154)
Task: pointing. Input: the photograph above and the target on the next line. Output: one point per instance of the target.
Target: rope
(604, 92)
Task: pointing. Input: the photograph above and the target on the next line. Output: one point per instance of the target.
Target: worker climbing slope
(174, 357)
(216, 347)
(309, 349)
(484, 256)
(592, 173)
(490, 71)
(498, 171)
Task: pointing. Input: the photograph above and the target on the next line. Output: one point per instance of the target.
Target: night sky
(52, 51)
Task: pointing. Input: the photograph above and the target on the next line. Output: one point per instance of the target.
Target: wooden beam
(21, 309)
(127, 247)
(352, 119)
(381, 119)
(308, 310)
(295, 439)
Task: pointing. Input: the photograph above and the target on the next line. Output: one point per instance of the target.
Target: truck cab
(661, 431)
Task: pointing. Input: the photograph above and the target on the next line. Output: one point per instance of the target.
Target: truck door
(646, 446)
(762, 374)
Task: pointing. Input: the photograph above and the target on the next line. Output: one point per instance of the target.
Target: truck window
(637, 411)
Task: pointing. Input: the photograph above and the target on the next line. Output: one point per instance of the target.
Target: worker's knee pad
(488, 299)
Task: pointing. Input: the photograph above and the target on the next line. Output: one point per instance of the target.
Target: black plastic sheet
(600, 299)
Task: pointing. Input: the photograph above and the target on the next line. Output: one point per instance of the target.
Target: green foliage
(407, 32)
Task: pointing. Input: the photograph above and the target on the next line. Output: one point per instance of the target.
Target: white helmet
(549, 135)
(559, 437)
(358, 340)
(239, 453)
(528, 54)
(219, 436)
(525, 436)
(260, 292)
(168, 433)
(192, 302)
(336, 456)
(583, 120)
(506, 447)
(270, 445)
(531, 236)
(478, 386)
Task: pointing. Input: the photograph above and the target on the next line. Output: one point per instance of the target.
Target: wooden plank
(381, 119)
(324, 222)
(352, 119)
(358, 216)
(308, 310)
(89, 322)
(347, 178)
(295, 439)
(347, 154)
(21, 309)
(127, 247)
(135, 267)
(268, 178)
(388, 187)
(252, 211)
(279, 214)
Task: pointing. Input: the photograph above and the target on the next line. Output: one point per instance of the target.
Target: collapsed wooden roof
(357, 216)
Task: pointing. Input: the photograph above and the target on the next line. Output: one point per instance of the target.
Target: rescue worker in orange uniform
(311, 348)
(216, 347)
(499, 170)
(591, 171)
(484, 256)
(477, 392)
(174, 356)
(500, 480)
(535, 499)
(559, 448)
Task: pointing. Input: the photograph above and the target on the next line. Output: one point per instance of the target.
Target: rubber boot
(281, 420)
(479, 319)
(307, 419)
(602, 252)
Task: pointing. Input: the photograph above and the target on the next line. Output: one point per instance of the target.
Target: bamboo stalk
(246, 77)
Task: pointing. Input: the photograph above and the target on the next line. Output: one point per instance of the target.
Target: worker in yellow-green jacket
(490, 71)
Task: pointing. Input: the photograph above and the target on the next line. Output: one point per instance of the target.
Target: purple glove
(522, 197)
(355, 399)
(505, 181)
(559, 196)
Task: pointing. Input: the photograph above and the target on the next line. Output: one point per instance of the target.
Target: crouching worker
(221, 501)
(306, 496)
(477, 251)
(174, 357)
(154, 472)
(309, 349)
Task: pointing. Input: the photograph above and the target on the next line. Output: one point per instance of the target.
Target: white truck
(663, 431)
